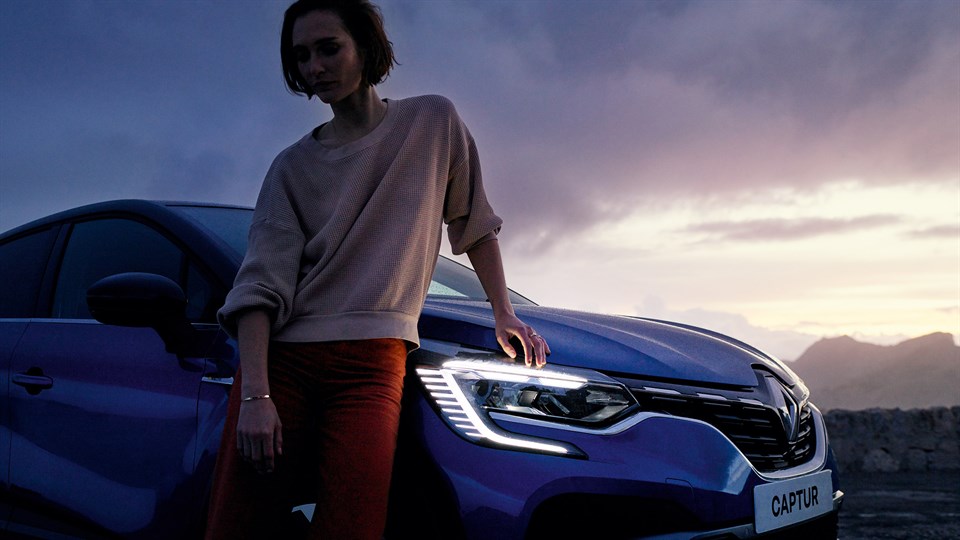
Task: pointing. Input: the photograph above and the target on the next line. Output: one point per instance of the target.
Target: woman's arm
(259, 437)
(486, 261)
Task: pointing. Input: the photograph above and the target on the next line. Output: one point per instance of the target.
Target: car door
(103, 423)
(23, 261)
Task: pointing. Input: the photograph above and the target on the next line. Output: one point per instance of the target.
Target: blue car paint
(147, 477)
(683, 460)
(617, 344)
(126, 431)
(9, 337)
(511, 489)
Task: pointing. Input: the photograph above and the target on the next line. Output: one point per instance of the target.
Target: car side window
(101, 248)
(22, 265)
(439, 289)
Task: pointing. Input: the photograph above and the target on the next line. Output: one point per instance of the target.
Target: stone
(876, 439)
(879, 460)
(916, 460)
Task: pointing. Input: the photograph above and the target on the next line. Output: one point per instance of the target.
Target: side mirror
(142, 300)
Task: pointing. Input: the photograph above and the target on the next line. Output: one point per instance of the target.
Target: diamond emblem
(787, 408)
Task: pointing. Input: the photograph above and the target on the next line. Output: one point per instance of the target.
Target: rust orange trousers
(339, 405)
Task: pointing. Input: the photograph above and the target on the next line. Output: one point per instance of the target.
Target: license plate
(786, 502)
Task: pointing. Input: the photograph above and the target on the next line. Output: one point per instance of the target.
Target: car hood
(627, 346)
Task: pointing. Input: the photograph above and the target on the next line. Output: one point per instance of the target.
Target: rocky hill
(843, 373)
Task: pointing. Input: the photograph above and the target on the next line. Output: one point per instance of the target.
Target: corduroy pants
(339, 404)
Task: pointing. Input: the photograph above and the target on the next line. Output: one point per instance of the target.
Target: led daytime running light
(507, 372)
(456, 409)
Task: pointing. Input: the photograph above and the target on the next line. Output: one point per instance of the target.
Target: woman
(342, 247)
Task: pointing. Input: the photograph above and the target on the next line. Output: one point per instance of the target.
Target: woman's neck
(354, 117)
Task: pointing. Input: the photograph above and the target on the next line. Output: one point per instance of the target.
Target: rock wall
(892, 440)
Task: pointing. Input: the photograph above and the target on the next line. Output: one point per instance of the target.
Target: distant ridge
(843, 373)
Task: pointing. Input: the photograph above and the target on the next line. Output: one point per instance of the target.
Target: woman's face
(327, 56)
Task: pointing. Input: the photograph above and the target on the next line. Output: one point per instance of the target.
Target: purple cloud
(764, 230)
(939, 231)
(584, 113)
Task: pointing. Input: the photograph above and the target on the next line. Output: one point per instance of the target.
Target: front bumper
(658, 477)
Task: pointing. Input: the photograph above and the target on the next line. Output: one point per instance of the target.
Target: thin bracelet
(254, 398)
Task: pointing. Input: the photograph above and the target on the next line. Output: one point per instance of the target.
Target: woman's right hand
(259, 434)
(259, 437)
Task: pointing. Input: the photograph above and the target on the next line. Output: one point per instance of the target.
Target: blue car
(115, 378)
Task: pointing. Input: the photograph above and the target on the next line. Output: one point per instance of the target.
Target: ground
(901, 506)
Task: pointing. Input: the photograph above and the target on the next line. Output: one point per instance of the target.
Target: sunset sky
(779, 171)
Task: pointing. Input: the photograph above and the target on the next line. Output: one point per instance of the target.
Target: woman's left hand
(535, 348)
(485, 258)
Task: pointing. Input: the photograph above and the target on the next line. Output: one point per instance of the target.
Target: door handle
(33, 380)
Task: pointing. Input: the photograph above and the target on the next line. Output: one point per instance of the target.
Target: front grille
(754, 428)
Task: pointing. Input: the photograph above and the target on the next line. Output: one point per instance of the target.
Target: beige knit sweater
(344, 240)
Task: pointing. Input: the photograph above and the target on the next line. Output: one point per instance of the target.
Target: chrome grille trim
(752, 426)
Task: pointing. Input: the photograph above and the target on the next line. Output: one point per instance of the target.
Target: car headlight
(468, 392)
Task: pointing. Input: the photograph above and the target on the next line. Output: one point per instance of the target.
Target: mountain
(843, 373)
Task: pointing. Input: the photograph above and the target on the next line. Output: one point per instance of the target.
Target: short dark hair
(363, 22)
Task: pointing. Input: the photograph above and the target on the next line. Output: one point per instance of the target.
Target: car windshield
(454, 280)
(450, 280)
(228, 224)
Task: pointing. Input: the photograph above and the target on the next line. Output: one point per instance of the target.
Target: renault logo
(787, 408)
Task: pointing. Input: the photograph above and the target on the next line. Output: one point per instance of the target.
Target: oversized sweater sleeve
(469, 217)
(267, 279)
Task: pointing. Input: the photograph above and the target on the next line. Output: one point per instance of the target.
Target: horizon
(716, 164)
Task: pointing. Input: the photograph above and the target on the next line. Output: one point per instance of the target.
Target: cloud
(787, 229)
(951, 231)
(594, 120)
(148, 100)
(785, 344)
(584, 114)
(591, 114)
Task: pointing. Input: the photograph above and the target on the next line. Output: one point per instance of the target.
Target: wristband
(254, 398)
